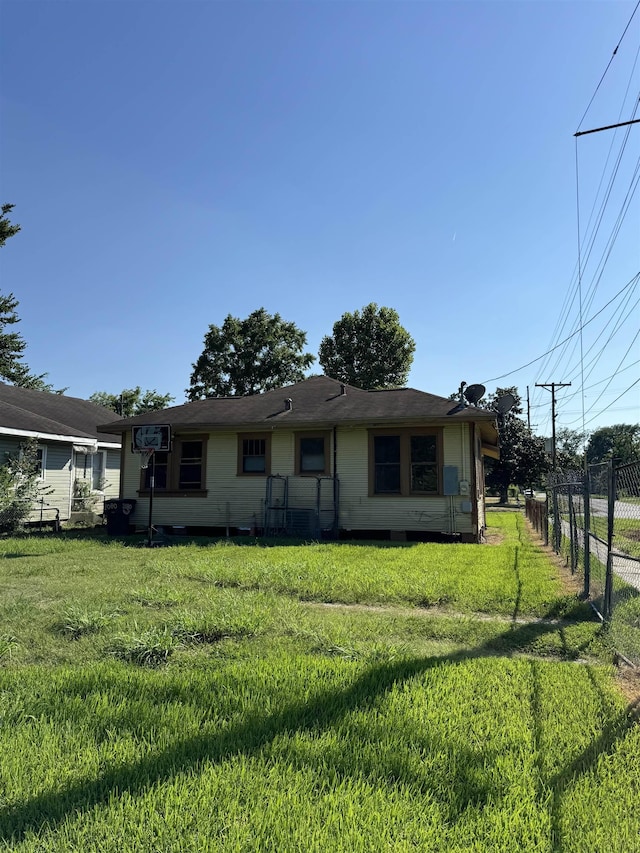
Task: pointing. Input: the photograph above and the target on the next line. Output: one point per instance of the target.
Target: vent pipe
(343, 389)
(288, 404)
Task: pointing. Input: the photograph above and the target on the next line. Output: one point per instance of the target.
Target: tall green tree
(249, 356)
(620, 442)
(12, 344)
(570, 449)
(368, 349)
(7, 229)
(132, 401)
(523, 460)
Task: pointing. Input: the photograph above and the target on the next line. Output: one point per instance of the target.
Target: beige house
(315, 459)
(70, 449)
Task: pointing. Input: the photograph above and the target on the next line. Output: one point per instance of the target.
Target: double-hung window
(312, 453)
(404, 462)
(180, 471)
(254, 454)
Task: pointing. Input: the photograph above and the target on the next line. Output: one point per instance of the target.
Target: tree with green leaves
(18, 486)
(6, 228)
(620, 442)
(523, 459)
(132, 401)
(570, 449)
(12, 344)
(249, 356)
(368, 349)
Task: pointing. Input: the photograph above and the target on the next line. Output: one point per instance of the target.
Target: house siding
(239, 501)
(58, 478)
(359, 511)
(7, 445)
(57, 484)
(112, 474)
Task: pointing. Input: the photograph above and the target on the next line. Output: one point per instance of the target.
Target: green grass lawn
(319, 697)
(626, 533)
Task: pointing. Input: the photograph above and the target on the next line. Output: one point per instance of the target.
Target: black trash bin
(117, 514)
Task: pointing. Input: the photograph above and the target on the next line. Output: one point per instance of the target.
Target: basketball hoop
(145, 456)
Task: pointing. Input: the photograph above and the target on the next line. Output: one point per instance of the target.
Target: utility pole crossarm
(608, 127)
(551, 386)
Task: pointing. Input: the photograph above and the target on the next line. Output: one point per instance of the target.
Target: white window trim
(89, 478)
(102, 453)
(43, 464)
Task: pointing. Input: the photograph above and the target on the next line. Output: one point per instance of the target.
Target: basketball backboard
(151, 437)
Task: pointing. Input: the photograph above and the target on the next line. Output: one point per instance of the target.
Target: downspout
(336, 508)
(71, 478)
(123, 446)
(473, 484)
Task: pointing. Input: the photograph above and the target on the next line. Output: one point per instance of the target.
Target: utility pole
(551, 386)
(528, 410)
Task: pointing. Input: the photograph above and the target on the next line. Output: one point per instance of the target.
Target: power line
(619, 324)
(566, 309)
(615, 373)
(608, 127)
(635, 279)
(607, 408)
(609, 64)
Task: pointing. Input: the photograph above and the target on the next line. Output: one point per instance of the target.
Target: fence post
(572, 530)
(611, 508)
(586, 534)
(556, 519)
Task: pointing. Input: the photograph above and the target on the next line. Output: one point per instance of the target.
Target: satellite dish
(504, 404)
(474, 393)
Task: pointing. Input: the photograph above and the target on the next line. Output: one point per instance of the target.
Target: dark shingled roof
(42, 412)
(314, 402)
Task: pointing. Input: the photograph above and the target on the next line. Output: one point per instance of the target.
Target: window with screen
(405, 462)
(180, 471)
(312, 453)
(254, 451)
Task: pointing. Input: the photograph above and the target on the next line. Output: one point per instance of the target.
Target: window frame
(405, 435)
(41, 449)
(253, 436)
(325, 435)
(87, 470)
(174, 461)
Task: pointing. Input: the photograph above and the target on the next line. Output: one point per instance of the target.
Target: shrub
(18, 486)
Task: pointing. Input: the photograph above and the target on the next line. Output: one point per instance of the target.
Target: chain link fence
(594, 523)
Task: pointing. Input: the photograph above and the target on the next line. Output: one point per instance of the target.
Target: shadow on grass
(323, 710)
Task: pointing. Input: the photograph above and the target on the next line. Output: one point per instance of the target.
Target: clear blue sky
(173, 162)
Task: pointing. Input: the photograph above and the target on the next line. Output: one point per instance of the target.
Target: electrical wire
(634, 280)
(619, 324)
(609, 245)
(562, 357)
(608, 65)
(607, 408)
(615, 373)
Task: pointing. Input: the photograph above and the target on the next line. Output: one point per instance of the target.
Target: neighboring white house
(70, 448)
(318, 458)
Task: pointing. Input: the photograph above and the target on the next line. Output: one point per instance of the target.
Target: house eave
(490, 450)
(46, 436)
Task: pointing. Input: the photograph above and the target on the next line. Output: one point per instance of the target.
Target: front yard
(320, 697)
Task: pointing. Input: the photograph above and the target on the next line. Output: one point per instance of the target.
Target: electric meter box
(450, 479)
